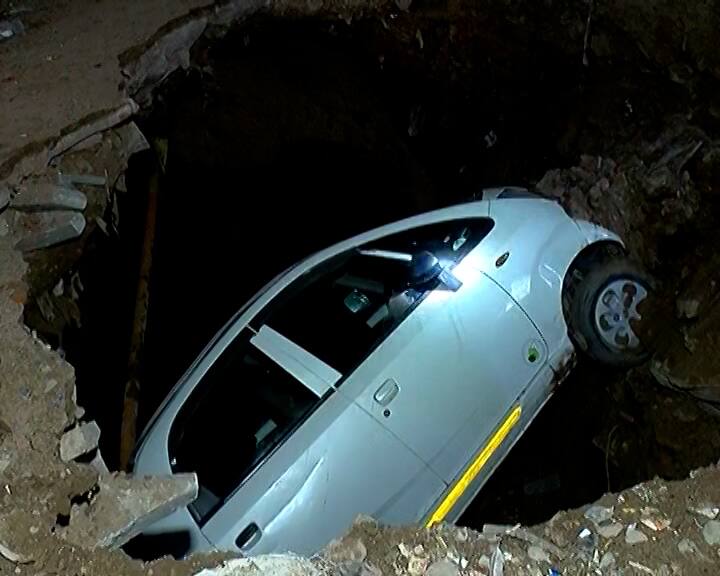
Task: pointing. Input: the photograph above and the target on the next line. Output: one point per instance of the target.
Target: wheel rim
(615, 309)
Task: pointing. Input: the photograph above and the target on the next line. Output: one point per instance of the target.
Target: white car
(390, 374)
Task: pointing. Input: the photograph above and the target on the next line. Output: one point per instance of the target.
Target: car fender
(594, 233)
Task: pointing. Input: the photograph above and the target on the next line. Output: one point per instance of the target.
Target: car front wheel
(605, 311)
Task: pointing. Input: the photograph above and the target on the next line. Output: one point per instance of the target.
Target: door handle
(387, 391)
(248, 537)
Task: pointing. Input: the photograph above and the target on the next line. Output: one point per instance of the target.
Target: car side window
(341, 310)
(241, 410)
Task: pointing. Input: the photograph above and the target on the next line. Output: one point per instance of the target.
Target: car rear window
(241, 410)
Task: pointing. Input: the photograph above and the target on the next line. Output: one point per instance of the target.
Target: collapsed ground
(392, 115)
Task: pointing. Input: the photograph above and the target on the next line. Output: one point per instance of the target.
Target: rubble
(268, 565)
(43, 229)
(38, 196)
(5, 196)
(125, 505)
(711, 533)
(79, 440)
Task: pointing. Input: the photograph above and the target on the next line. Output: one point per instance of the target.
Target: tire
(603, 298)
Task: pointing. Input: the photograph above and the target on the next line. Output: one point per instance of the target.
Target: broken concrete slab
(43, 229)
(41, 196)
(85, 130)
(82, 179)
(125, 505)
(79, 440)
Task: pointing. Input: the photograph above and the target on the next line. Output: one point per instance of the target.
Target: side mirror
(424, 267)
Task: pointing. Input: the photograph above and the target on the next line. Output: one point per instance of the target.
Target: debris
(4, 196)
(122, 113)
(275, 564)
(81, 179)
(443, 568)
(8, 554)
(419, 38)
(404, 550)
(610, 531)
(607, 561)
(79, 440)
(43, 229)
(711, 533)
(346, 550)
(497, 562)
(133, 139)
(707, 510)
(530, 538)
(125, 505)
(687, 546)
(634, 536)
(10, 28)
(40, 196)
(656, 524)
(587, 542)
(538, 554)
(461, 534)
(687, 308)
(418, 564)
(641, 567)
(599, 514)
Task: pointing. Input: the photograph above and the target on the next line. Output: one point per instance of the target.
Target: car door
(461, 356)
(277, 450)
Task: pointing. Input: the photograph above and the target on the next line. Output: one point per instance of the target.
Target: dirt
(666, 513)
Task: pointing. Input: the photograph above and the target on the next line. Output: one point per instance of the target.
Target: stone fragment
(634, 536)
(44, 229)
(687, 547)
(599, 514)
(79, 440)
(269, 565)
(41, 196)
(538, 554)
(442, 568)
(417, 565)
(610, 531)
(346, 550)
(708, 510)
(711, 533)
(5, 195)
(607, 561)
(125, 505)
(687, 308)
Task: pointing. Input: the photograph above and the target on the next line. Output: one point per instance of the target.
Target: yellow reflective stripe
(474, 469)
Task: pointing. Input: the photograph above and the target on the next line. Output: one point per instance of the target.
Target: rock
(11, 27)
(711, 533)
(48, 228)
(687, 308)
(610, 531)
(634, 536)
(417, 565)
(708, 510)
(497, 562)
(599, 514)
(607, 561)
(442, 568)
(538, 554)
(346, 550)
(83, 180)
(8, 554)
(125, 505)
(41, 196)
(78, 441)
(4, 196)
(269, 565)
(687, 547)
